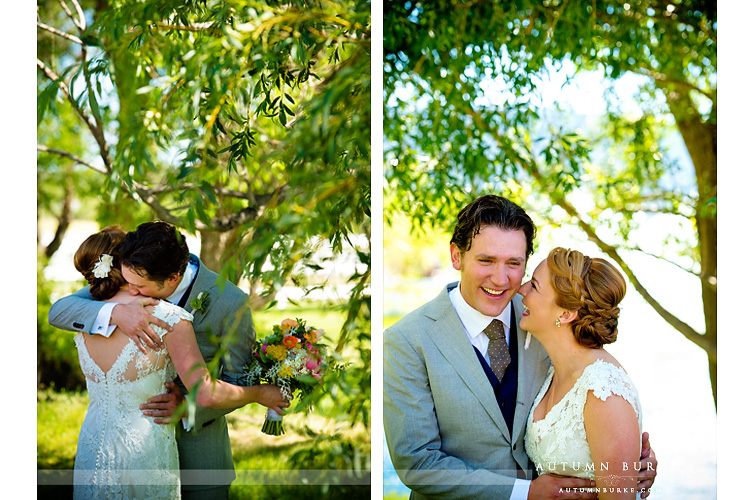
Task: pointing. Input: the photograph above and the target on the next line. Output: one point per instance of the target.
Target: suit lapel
(449, 336)
(203, 283)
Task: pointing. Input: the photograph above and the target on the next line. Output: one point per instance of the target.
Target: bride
(586, 420)
(121, 453)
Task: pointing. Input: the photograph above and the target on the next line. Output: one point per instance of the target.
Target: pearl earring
(557, 323)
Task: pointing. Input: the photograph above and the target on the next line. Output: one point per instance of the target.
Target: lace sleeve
(170, 314)
(605, 379)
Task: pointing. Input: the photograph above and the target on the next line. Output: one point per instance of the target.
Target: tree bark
(215, 248)
(700, 138)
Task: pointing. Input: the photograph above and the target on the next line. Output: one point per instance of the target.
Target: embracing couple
(135, 338)
(502, 390)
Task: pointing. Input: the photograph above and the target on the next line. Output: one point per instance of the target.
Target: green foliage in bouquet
(294, 359)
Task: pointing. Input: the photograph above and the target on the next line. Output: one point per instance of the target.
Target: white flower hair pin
(103, 266)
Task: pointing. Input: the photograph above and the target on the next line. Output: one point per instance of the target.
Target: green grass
(59, 418)
(340, 446)
(394, 496)
(389, 321)
(331, 320)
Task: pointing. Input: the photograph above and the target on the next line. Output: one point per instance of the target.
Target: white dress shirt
(474, 323)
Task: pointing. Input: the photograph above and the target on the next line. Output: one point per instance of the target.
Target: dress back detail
(121, 453)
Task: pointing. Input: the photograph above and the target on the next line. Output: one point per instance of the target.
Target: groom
(156, 264)
(455, 429)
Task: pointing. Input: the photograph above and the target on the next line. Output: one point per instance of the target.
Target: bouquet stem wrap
(273, 425)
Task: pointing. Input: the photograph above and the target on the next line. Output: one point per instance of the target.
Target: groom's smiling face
(492, 269)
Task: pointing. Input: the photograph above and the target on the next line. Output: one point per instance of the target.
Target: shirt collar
(474, 321)
(187, 278)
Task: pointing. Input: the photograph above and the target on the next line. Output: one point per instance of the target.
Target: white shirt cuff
(520, 490)
(189, 417)
(101, 325)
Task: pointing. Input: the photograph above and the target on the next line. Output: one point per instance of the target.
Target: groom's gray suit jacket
(445, 432)
(227, 322)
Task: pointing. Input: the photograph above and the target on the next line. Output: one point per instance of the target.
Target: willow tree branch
(94, 127)
(73, 157)
(526, 158)
(707, 280)
(59, 33)
(689, 332)
(663, 79)
(81, 21)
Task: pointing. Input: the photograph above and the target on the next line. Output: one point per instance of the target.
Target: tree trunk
(700, 139)
(63, 220)
(216, 247)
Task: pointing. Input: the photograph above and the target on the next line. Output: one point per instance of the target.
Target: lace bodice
(121, 453)
(557, 443)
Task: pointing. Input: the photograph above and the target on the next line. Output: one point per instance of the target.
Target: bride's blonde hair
(592, 287)
(88, 254)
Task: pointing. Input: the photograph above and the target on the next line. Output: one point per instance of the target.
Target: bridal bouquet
(292, 358)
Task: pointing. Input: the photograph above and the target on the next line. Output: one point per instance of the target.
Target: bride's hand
(270, 396)
(135, 321)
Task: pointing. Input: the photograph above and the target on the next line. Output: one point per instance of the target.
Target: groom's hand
(548, 486)
(135, 321)
(647, 473)
(163, 406)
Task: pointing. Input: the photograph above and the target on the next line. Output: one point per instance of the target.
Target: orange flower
(288, 324)
(290, 341)
(314, 336)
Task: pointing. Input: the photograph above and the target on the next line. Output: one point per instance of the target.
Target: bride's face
(539, 300)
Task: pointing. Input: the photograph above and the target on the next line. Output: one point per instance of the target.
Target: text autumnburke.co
(605, 490)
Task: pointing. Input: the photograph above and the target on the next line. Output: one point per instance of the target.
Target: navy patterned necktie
(498, 351)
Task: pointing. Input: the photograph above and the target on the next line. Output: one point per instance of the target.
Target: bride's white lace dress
(557, 443)
(121, 453)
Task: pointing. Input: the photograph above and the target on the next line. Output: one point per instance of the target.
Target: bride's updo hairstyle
(592, 287)
(88, 254)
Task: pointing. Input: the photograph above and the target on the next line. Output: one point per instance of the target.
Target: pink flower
(312, 363)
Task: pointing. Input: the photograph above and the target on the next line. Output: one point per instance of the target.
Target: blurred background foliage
(473, 104)
(245, 123)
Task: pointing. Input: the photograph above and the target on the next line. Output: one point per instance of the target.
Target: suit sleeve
(237, 344)
(413, 434)
(76, 312)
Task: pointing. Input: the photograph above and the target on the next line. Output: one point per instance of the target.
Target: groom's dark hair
(155, 251)
(492, 210)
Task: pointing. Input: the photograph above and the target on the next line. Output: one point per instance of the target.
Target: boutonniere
(200, 303)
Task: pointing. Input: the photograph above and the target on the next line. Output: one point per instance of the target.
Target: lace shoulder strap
(171, 314)
(605, 379)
